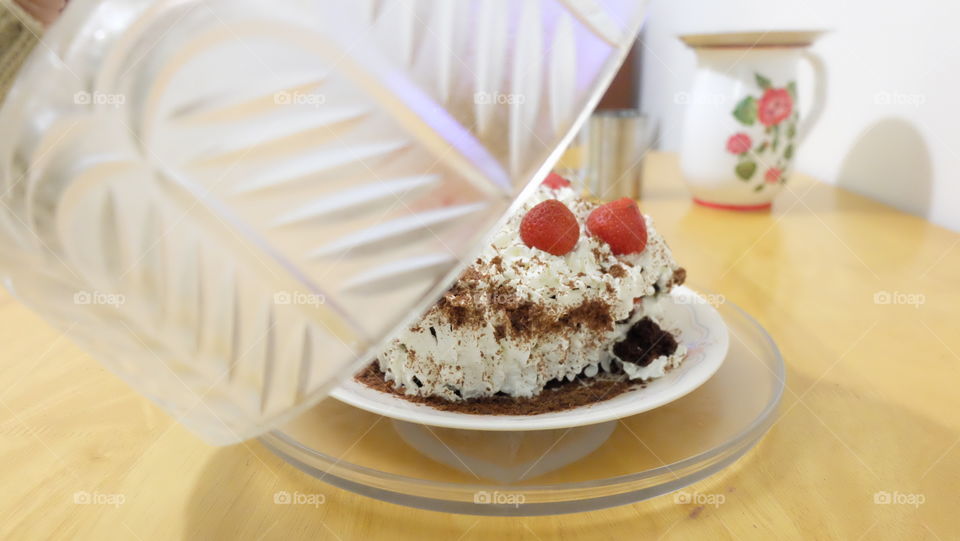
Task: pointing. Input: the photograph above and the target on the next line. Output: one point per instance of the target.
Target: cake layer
(519, 317)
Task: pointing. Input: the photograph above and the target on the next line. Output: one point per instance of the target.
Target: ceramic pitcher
(744, 122)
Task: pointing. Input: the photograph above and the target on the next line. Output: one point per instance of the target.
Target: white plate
(701, 328)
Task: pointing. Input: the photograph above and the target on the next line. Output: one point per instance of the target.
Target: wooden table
(872, 406)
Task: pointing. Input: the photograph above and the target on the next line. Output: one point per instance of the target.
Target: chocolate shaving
(593, 314)
(527, 319)
(678, 278)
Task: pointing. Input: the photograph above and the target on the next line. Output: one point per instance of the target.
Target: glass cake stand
(542, 472)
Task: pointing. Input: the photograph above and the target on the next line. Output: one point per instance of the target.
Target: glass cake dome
(232, 203)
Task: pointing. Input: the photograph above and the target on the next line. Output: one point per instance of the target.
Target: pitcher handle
(819, 94)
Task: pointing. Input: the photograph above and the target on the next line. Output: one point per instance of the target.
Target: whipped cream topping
(519, 317)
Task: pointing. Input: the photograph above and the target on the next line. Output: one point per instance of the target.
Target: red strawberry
(619, 224)
(551, 227)
(555, 182)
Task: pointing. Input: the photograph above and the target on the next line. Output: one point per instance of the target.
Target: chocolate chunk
(645, 341)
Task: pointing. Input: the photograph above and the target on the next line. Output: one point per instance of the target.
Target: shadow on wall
(890, 162)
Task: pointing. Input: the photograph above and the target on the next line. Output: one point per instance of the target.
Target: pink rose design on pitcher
(765, 148)
(774, 107)
(739, 143)
(773, 175)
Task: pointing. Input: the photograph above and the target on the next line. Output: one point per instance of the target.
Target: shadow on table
(871, 481)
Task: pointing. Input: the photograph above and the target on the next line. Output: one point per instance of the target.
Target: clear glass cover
(232, 203)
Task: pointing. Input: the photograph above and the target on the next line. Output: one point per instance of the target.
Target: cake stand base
(542, 472)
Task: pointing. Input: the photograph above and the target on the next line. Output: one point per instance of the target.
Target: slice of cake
(568, 288)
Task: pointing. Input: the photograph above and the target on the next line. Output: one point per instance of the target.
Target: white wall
(891, 128)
